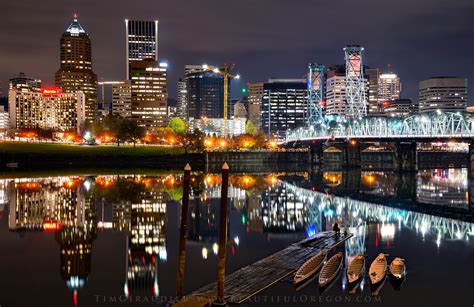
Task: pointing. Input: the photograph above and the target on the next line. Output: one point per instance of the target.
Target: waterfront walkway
(250, 280)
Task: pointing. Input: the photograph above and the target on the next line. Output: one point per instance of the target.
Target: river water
(108, 239)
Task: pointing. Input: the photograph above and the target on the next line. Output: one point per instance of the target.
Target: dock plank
(250, 280)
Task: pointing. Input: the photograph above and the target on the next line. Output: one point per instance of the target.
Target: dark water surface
(113, 239)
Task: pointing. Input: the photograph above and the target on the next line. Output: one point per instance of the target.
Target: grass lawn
(10, 148)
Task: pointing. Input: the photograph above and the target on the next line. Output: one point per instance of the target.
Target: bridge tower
(356, 107)
(315, 95)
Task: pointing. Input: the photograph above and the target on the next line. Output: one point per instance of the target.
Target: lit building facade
(182, 98)
(255, 94)
(141, 41)
(205, 94)
(284, 106)
(75, 73)
(336, 95)
(149, 93)
(122, 99)
(335, 90)
(399, 107)
(23, 83)
(49, 109)
(389, 87)
(447, 94)
(211, 126)
(4, 121)
(373, 75)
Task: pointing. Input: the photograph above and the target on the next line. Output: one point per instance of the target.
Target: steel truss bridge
(429, 126)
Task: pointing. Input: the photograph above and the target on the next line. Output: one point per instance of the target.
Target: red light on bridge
(50, 91)
(51, 225)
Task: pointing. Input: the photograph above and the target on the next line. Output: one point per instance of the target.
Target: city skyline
(412, 48)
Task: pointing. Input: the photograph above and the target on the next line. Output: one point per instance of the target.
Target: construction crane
(226, 72)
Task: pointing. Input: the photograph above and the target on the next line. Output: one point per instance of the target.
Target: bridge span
(352, 136)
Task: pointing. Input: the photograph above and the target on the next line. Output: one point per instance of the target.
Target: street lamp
(226, 72)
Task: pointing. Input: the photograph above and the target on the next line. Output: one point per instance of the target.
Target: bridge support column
(317, 154)
(351, 154)
(471, 161)
(405, 186)
(406, 157)
(352, 180)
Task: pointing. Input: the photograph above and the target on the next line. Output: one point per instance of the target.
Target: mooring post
(183, 232)
(222, 235)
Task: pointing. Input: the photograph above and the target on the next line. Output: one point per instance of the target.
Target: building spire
(75, 28)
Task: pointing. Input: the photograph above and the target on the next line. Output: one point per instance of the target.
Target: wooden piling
(183, 232)
(222, 235)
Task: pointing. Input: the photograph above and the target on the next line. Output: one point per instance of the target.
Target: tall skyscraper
(182, 98)
(75, 73)
(149, 93)
(373, 75)
(336, 90)
(389, 87)
(122, 99)
(141, 41)
(23, 83)
(284, 106)
(205, 95)
(447, 94)
(255, 94)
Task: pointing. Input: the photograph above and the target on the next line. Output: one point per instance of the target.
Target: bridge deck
(250, 280)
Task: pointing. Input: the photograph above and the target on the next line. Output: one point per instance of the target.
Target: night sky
(264, 38)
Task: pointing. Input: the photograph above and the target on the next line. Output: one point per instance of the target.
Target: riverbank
(47, 157)
(41, 156)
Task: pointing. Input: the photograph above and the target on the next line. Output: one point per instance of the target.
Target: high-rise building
(122, 99)
(205, 94)
(149, 93)
(447, 94)
(182, 106)
(399, 107)
(336, 90)
(239, 110)
(75, 73)
(141, 41)
(255, 94)
(48, 109)
(4, 121)
(373, 75)
(389, 87)
(284, 106)
(23, 83)
(182, 98)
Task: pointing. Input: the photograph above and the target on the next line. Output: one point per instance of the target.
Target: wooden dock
(250, 280)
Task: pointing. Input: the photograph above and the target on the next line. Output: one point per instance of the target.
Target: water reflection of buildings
(62, 205)
(443, 187)
(146, 242)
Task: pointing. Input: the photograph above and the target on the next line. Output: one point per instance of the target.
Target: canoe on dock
(247, 281)
(378, 269)
(310, 267)
(398, 268)
(355, 270)
(330, 270)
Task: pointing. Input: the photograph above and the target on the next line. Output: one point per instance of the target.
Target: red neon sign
(50, 91)
(51, 225)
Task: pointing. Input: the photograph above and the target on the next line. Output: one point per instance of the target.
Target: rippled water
(106, 239)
